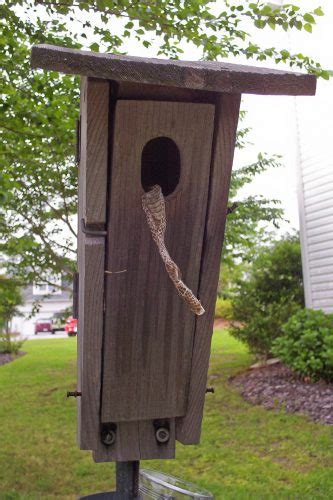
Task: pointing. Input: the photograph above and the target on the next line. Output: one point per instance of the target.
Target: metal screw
(73, 394)
(108, 437)
(162, 435)
(210, 389)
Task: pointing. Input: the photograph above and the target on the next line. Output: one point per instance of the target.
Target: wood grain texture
(148, 328)
(203, 75)
(91, 257)
(136, 441)
(94, 148)
(188, 429)
(90, 328)
(147, 92)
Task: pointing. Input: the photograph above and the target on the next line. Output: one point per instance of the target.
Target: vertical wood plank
(90, 335)
(126, 447)
(136, 441)
(94, 149)
(148, 328)
(150, 448)
(188, 429)
(91, 255)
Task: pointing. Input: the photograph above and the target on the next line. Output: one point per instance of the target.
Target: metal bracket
(91, 232)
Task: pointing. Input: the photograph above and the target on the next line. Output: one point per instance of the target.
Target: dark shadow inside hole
(160, 164)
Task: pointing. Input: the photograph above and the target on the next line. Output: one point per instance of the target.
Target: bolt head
(108, 437)
(162, 435)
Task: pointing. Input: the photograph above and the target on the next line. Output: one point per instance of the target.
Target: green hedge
(306, 344)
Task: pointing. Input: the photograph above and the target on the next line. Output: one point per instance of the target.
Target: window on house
(47, 288)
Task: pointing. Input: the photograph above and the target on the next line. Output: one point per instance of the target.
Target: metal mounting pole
(127, 474)
(127, 480)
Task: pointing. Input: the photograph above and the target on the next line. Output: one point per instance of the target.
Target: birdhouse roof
(199, 75)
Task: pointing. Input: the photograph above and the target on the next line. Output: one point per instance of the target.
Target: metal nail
(73, 394)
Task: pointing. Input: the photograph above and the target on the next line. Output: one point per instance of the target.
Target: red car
(43, 325)
(71, 326)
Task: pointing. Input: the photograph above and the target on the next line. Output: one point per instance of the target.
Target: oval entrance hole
(160, 164)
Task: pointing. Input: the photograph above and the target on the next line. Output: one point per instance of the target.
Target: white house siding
(315, 194)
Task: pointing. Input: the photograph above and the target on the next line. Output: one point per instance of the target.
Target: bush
(271, 292)
(223, 308)
(306, 344)
(264, 326)
(8, 345)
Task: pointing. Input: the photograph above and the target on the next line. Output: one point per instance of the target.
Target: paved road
(40, 336)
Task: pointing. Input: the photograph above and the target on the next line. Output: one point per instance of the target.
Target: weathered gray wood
(203, 75)
(136, 441)
(148, 328)
(188, 428)
(147, 92)
(91, 256)
(90, 328)
(94, 149)
(149, 448)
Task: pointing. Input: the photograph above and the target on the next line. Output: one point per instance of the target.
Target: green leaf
(266, 11)
(309, 18)
(318, 11)
(94, 46)
(308, 27)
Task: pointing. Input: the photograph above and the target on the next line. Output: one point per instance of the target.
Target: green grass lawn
(246, 452)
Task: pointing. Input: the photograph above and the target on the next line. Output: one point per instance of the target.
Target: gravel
(277, 387)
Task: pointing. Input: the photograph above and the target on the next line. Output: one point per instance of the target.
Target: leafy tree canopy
(39, 109)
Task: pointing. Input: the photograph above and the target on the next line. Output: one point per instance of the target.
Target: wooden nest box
(143, 354)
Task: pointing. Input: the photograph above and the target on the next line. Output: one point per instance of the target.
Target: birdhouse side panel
(94, 130)
(188, 428)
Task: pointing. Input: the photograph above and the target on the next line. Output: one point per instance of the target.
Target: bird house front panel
(149, 329)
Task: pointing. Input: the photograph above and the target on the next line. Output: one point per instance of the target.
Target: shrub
(306, 344)
(223, 308)
(270, 293)
(8, 345)
(264, 326)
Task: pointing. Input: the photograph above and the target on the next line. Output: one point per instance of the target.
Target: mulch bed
(277, 387)
(7, 358)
